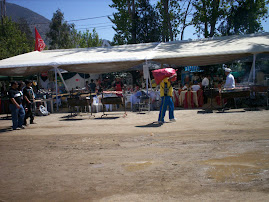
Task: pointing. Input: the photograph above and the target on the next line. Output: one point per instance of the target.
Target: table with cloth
(192, 99)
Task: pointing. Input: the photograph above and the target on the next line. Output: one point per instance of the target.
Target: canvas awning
(118, 58)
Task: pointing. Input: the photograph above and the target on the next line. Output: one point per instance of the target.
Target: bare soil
(201, 157)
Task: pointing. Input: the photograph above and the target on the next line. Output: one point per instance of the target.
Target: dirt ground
(201, 157)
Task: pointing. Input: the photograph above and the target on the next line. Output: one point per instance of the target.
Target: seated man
(196, 86)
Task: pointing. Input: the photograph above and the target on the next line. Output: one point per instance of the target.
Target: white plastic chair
(97, 107)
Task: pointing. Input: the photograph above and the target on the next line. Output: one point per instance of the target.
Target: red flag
(39, 43)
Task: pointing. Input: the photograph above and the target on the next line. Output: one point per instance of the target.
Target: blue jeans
(166, 101)
(17, 115)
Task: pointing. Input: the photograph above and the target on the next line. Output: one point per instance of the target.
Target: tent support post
(56, 87)
(61, 76)
(146, 75)
(252, 71)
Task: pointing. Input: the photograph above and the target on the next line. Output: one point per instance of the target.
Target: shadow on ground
(151, 125)
(111, 117)
(4, 130)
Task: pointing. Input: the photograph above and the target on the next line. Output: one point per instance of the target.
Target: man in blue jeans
(15, 106)
(166, 91)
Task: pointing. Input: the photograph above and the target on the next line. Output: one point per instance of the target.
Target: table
(182, 97)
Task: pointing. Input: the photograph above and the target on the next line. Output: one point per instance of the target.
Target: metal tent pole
(61, 76)
(252, 71)
(56, 87)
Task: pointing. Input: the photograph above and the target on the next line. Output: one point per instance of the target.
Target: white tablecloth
(182, 97)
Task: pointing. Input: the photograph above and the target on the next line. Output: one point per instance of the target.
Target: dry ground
(201, 157)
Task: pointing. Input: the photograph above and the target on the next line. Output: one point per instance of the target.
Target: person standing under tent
(92, 86)
(205, 85)
(118, 84)
(29, 97)
(166, 92)
(229, 84)
(15, 106)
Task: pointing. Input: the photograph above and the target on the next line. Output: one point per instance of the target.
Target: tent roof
(211, 51)
(117, 58)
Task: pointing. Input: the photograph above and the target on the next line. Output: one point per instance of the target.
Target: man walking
(166, 91)
(28, 95)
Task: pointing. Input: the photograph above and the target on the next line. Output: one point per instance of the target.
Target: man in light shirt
(230, 83)
(205, 82)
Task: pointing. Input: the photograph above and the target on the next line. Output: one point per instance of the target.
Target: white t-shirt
(230, 83)
(205, 82)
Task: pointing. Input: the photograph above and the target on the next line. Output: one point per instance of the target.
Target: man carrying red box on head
(164, 77)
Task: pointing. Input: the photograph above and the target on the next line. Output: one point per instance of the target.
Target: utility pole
(3, 10)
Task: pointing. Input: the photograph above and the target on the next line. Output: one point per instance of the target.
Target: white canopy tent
(118, 58)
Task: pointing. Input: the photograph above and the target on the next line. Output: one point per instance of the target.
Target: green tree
(24, 27)
(170, 18)
(244, 17)
(148, 28)
(87, 39)
(12, 41)
(184, 15)
(124, 20)
(61, 33)
(208, 14)
(136, 21)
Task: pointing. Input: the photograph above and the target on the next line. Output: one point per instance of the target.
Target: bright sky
(81, 9)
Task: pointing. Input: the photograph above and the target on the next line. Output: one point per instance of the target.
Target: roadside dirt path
(201, 157)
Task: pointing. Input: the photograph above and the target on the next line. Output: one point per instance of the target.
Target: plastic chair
(97, 107)
(128, 99)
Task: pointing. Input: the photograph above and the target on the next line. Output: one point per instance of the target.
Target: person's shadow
(151, 125)
(7, 129)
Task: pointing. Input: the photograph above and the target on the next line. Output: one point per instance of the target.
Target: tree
(184, 15)
(60, 32)
(148, 29)
(12, 41)
(170, 17)
(24, 27)
(207, 15)
(87, 39)
(244, 17)
(135, 22)
(124, 21)
(228, 17)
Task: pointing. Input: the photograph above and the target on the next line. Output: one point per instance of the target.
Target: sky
(78, 10)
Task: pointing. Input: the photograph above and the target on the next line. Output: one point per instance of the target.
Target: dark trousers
(230, 103)
(29, 113)
(204, 94)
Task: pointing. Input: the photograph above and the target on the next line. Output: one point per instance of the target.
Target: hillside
(33, 19)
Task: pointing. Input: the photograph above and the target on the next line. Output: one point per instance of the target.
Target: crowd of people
(21, 95)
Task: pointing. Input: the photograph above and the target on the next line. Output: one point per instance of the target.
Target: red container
(160, 74)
